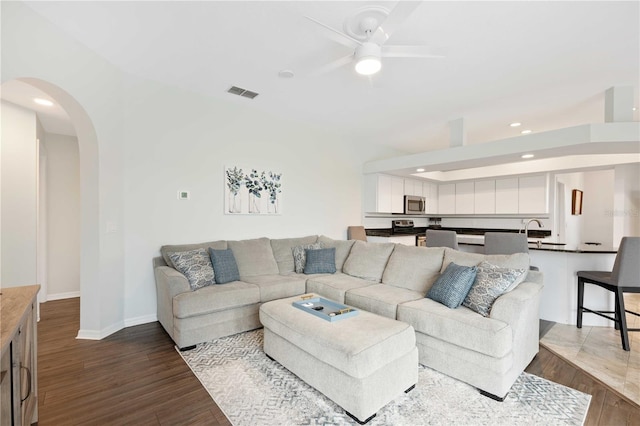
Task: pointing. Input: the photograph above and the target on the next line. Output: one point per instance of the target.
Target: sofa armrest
(170, 281)
(521, 303)
(520, 308)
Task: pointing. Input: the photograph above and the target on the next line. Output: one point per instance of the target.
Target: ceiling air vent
(242, 92)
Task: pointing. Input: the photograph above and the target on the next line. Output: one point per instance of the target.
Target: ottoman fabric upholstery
(361, 363)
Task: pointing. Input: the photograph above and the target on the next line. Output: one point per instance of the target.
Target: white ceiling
(545, 64)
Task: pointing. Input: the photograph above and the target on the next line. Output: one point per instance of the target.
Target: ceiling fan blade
(332, 66)
(397, 51)
(335, 35)
(396, 17)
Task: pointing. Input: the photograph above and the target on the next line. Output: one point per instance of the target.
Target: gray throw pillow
(452, 286)
(300, 257)
(320, 261)
(490, 283)
(195, 265)
(224, 266)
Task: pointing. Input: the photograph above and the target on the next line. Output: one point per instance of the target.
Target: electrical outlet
(184, 195)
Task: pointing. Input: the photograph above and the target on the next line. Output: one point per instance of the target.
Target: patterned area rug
(252, 390)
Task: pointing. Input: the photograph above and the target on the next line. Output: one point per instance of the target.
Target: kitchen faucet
(526, 227)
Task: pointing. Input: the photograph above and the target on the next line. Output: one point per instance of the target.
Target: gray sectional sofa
(390, 280)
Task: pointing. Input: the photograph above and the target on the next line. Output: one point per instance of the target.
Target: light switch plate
(184, 195)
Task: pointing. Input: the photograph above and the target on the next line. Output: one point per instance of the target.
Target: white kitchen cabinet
(413, 187)
(383, 194)
(464, 198)
(507, 196)
(532, 195)
(484, 197)
(430, 192)
(447, 198)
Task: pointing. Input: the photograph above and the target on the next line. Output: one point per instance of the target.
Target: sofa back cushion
(254, 257)
(283, 251)
(343, 248)
(511, 261)
(165, 250)
(368, 260)
(413, 268)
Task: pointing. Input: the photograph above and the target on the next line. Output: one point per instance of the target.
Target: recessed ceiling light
(528, 155)
(285, 74)
(515, 124)
(526, 132)
(44, 102)
(419, 170)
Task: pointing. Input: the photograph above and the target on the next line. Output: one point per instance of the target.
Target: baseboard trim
(100, 334)
(144, 319)
(60, 296)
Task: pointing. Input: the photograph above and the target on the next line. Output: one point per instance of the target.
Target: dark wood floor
(136, 377)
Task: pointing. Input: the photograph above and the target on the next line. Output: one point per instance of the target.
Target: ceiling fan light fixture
(368, 59)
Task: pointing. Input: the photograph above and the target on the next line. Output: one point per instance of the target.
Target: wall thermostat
(183, 195)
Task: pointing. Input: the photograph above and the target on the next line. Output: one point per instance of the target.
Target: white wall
(18, 192)
(597, 203)
(573, 223)
(63, 216)
(626, 208)
(178, 140)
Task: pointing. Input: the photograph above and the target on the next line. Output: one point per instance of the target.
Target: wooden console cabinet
(18, 362)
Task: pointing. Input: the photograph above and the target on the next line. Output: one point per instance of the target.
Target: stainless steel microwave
(414, 204)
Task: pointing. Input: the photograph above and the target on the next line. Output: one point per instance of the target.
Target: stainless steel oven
(414, 204)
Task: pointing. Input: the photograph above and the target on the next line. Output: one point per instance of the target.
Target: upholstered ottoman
(361, 363)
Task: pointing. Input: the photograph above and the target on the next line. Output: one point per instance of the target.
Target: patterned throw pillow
(300, 257)
(225, 267)
(491, 282)
(320, 261)
(452, 286)
(195, 265)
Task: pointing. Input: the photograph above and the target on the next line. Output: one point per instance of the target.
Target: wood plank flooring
(136, 377)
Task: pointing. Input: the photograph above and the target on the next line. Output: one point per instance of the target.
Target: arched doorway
(89, 205)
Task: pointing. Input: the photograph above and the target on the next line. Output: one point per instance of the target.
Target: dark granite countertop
(550, 246)
(388, 232)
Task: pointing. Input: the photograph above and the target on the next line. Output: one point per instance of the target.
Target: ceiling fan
(366, 31)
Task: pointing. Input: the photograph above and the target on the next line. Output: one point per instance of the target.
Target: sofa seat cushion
(358, 346)
(254, 257)
(380, 299)
(460, 326)
(215, 298)
(277, 286)
(335, 286)
(283, 251)
(413, 268)
(368, 260)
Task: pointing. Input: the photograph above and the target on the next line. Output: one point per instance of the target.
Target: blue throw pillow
(224, 266)
(320, 261)
(453, 285)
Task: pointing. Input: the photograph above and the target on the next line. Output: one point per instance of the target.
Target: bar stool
(625, 278)
(356, 233)
(440, 238)
(506, 243)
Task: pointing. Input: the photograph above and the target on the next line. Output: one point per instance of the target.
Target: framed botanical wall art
(252, 191)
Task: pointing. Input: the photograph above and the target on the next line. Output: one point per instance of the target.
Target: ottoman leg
(360, 422)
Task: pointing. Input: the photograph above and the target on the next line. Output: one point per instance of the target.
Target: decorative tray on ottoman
(328, 310)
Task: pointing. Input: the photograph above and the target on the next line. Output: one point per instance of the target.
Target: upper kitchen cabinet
(413, 187)
(507, 196)
(464, 198)
(447, 198)
(485, 197)
(430, 193)
(383, 194)
(533, 195)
